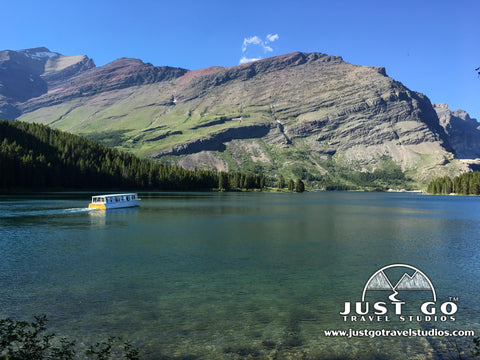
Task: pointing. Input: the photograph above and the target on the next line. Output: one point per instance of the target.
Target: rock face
(294, 114)
(35, 78)
(119, 74)
(27, 74)
(462, 131)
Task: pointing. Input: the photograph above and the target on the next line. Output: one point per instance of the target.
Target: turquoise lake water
(238, 275)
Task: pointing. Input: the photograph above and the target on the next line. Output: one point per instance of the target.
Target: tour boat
(114, 201)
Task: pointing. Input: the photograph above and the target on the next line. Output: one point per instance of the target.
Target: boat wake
(77, 210)
(44, 212)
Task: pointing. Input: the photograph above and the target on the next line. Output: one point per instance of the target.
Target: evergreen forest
(464, 184)
(36, 157)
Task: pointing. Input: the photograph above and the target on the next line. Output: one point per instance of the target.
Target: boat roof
(111, 195)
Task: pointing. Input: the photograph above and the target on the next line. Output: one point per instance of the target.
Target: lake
(242, 275)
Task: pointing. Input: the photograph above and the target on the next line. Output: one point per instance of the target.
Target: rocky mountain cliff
(301, 115)
(462, 131)
(26, 74)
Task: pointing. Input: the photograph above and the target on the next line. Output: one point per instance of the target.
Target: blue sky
(431, 46)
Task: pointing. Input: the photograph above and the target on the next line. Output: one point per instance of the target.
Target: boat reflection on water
(101, 218)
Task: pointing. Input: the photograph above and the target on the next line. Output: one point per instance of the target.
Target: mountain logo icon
(416, 281)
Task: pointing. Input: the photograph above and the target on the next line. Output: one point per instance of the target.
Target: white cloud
(254, 48)
(267, 48)
(251, 40)
(272, 37)
(244, 60)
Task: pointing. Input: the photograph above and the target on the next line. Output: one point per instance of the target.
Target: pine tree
(262, 181)
(291, 185)
(281, 182)
(223, 183)
(299, 186)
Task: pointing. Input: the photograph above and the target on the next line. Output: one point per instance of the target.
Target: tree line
(464, 184)
(36, 157)
(296, 186)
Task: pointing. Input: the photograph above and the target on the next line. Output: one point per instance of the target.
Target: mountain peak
(39, 53)
(30, 73)
(218, 75)
(126, 61)
(36, 49)
(296, 58)
(291, 59)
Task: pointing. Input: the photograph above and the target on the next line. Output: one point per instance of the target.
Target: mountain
(462, 131)
(26, 74)
(306, 115)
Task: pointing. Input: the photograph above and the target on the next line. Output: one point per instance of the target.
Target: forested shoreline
(36, 157)
(464, 184)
